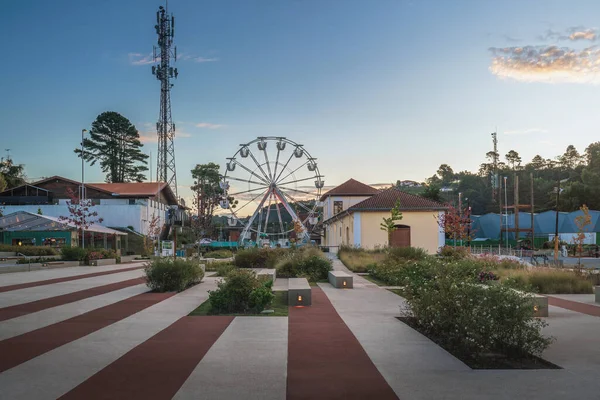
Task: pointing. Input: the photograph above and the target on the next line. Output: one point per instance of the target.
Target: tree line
(576, 174)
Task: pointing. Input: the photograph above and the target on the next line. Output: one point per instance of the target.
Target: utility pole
(556, 239)
(532, 211)
(165, 128)
(495, 172)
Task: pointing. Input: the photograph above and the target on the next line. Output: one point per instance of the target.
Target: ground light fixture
(344, 283)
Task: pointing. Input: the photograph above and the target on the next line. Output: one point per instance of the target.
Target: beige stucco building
(354, 211)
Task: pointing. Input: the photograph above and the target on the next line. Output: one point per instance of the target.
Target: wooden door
(400, 236)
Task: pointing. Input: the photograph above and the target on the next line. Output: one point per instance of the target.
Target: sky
(376, 90)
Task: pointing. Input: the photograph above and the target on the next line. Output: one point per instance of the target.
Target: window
(96, 202)
(338, 207)
(131, 202)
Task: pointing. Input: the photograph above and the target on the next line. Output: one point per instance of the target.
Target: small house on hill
(358, 224)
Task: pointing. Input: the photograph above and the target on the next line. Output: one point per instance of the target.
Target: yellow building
(353, 212)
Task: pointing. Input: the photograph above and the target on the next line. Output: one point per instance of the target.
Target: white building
(120, 205)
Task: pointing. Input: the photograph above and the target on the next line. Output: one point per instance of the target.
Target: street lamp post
(82, 194)
(506, 210)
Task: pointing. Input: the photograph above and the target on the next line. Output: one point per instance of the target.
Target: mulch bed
(486, 361)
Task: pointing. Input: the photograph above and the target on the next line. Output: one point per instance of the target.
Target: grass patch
(357, 261)
(548, 281)
(397, 291)
(374, 280)
(279, 305)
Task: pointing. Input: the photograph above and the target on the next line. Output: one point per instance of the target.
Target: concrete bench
(103, 261)
(597, 291)
(299, 292)
(267, 273)
(340, 279)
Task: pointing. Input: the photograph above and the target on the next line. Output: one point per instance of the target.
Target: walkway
(77, 336)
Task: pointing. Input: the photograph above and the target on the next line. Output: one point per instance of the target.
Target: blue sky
(376, 90)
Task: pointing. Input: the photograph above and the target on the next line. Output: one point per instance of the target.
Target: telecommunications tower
(165, 128)
(495, 166)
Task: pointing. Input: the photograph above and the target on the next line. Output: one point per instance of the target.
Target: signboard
(167, 248)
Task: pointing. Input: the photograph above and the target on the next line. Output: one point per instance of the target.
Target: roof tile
(351, 188)
(386, 200)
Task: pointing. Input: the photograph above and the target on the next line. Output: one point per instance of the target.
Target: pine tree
(115, 143)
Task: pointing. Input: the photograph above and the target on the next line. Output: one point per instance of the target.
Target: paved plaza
(98, 333)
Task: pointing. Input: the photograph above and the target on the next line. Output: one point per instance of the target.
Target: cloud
(146, 59)
(510, 38)
(198, 59)
(525, 131)
(150, 136)
(208, 125)
(550, 64)
(141, 59)
(587, 34)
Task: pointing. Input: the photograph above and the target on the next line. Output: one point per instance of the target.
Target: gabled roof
(132, 189)
(137, 189)
(386, 200)
(351, 188)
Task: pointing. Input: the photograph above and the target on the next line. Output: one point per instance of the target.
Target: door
(400, 236)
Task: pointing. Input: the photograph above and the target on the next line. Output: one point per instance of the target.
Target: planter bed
(125, 259)
(103, 261)
(487, 361)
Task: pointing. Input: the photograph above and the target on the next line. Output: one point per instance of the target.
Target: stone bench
(299, 292)
(267, 273)
(103, 261)
(597, 291)
(340, 279)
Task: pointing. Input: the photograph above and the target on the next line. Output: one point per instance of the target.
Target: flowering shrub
(485, 276)
(240, 292)
(456, 253)
(94, 255)
(163, 274)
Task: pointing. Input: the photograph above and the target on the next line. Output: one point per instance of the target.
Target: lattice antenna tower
(164, 72)
(495, 181)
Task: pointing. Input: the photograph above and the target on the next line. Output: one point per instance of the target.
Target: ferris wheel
(271, 187)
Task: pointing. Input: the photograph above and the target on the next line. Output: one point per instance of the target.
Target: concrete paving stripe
(30, 322)
(29, 295)
(325, 360)
(249, 361)
(583, 308)
(39, 305)
(24, 347)
(18, 286)
(157, 368)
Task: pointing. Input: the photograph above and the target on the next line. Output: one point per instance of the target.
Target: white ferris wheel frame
(271, 185)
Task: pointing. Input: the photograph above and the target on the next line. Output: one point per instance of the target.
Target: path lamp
(82, 194)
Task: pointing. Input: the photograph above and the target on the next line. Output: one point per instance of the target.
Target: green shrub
(455, 253)
(218, 254)
(165, 274)
(240, 292)
(223, 269)
(307, 262)
(474, 320)
(42, 260)
(73, 253)
(34, 251)
(259, 258)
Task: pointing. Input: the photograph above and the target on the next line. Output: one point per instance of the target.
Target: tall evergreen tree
(11, 174)
(115, 143)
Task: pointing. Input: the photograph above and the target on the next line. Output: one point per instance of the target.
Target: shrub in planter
(223, 269)
(473, 320)
(73, 253)
(240, 292)
(218, 254)
(308, 262)
(258, 258)
(165, 274)
(33, 251)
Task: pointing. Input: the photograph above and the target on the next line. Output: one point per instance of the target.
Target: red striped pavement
(583, 308)
(65, 279)
(19, 349)
(39, 305)
(325, 360)
(157, 368)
